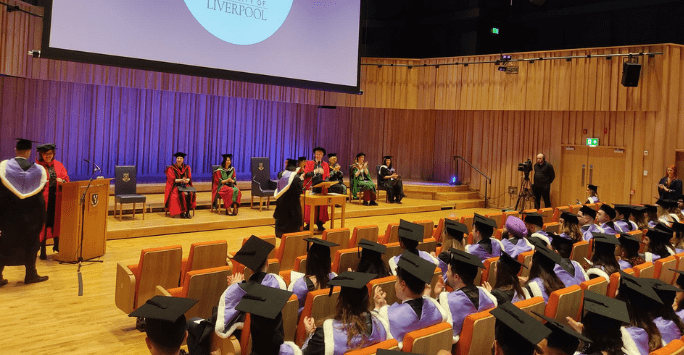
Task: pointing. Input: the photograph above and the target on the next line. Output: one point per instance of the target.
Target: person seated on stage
(603, 262)
(265, 305)
(315, 172)
(288, 211)
(639, 217)
(452, 237)
(389, 179)
(410, 235)
(253, 255)
(507, 287)
(466, 298)
(629, 251)
(513, 237)
(360, 181)
(604, 218)
(534, 222)
(651, 215)
(336, 174)
(657, 242)
(485, 246)
(592, 194)
(224, 186)
(622, 222)
(568, 271)
(543, 279)
(415, 311)
(352, 326)
(668, 322)
(586, 217)
(516, 332)
(371, 259)
(641, 301)
(179, 195)
(569, 227)
(57, 174)
(563, 340)
(165, 323)
(317, 274)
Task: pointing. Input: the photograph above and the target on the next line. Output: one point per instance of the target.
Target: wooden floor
(50, 317)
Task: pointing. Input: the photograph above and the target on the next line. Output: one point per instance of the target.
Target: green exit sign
(593, 142)
(495, 30)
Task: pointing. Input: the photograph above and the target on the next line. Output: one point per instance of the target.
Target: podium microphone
(97, 168)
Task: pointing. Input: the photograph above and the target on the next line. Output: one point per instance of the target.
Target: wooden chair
(547, 214)
(593, 206)
(363, 232)
(391, 234)
(219, 200)
(662, 270)
(393, 249)
(506, 215)
(680, 265)
(428, 227)
(497, 217)
(644, 270)
(204, 285)
(557, 212)
(563, 303)
(292, 245)
(437, 232)
(675, 347)
(428, 245)
(290, 313)
(204, 255)
(345, 259)
(553, 227)
(135, 284)
(319, 306)
(337, 235)
(387, 285)
(597, 285)
(359, 195)
(429, 340)
(580, 250)
(498, 234)
(534, 304)
(390, 344)
(477, 335)
(468, 221)
(272, 268)
(614, 282)
(489, 272)
(575, 208)
(525, 259)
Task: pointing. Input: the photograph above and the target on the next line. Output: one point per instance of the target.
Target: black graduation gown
(288, 211)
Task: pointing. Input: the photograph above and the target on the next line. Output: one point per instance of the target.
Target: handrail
(456, 158)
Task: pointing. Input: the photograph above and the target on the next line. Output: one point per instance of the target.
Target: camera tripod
(525, 195)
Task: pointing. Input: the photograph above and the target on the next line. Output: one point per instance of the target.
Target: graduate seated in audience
(516, 332)
(452, 237)
(352, 326)
(543, 279)
(264, 304)
(485, 246)
(370, 261)
(466, 298)
(604, 218)
(317, 274)
(563, 340)
(658, 243)
(678, 304)
(165, 323)
(668, 322)
(535, 223)
(666, 209)
(415, 311)
(507, 287)
(586, 217)
(602, 322)
(603, 262)
(514, 241)
(253, 255)
(629, 251)
(575, 274)
(677, 240)
(651, 215)
(592, 194)
(410, 235)
(639, 217)
(641, 301)
(622, 222)
(360, 181)
(569, 227)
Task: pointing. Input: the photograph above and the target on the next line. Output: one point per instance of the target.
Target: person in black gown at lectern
(288, 211)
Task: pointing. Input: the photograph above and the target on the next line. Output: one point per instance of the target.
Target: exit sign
(593, 142)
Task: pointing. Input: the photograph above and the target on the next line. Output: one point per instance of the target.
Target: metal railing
(489, 180)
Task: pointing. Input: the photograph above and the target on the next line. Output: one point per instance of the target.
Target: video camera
(526, 168)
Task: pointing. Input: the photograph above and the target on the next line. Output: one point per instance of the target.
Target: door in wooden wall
(601, 166)
(572, 175)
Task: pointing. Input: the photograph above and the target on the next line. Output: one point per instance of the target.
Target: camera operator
(543, 177)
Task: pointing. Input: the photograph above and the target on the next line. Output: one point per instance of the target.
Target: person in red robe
(179, 195)
(316, 171)
(224, 186)
(52, 194)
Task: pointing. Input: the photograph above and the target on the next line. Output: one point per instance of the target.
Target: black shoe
(182, 215)
(365, 203)
(391, 202)
(399, 202)
(373, 203)
(187, 215)
(55, 247)
(43, 254)
(3, 282)
(307, 227)
(35, 279)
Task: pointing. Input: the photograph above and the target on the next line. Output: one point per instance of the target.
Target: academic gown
(598, 271)
(394, 187)
(516, 246)
(569, 279)
(424, 255)
(22, 211)
(503, 296)
(680, 313)
(536, 289)
(592, 199)
(308, 177)
(411, 315)
(608, 228)
(301, 286)
(640, 339)
(338, 176)
(543, 236)
(624, 227)
(288, 211)
(331, 338)
(624, 264)
(485, 248)
(463, 302)
(229, 193)
(52, 194)
(668, 329)
(268, 337)
(174, 201)
(588, 231)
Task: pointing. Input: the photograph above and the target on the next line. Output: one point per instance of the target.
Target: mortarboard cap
(179, 154)
(593, 187)
(481, 220)
(253, 253)
(569, 217)
(455, 229)
(551, 255)
(605, 238)
(677, 227)
(666, 292)
(301, 159)
(651, 208)
(361, 154)
(638, 209)
(262, 300)
(562, 336)
(373, 246)
(625, 210)
(463, 257)
(46, 147)
(680, 277)
(330, 155)
(626, 238)
(385, 158)
(510, 262)
(536, 241)
(588, 211)
(528, 328)
(227, 156)
(23, 144)
(351, 279)
(637, 288)
(659, 233)
(560, 239)
(534, 218)
(411, 231)
(165, 322)
(608, 210)
(319, 149)
(605, 306)
(417, 266)
(319, 242)
(666, 203)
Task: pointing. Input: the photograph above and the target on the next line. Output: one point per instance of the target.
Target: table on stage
(321, 199)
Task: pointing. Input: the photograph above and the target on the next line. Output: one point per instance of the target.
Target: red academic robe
(322, 211)
(173, 202)
(226, 192)
(60, 172)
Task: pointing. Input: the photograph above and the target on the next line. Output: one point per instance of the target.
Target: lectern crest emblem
(261, 166)
(94, 199)
(126, 177)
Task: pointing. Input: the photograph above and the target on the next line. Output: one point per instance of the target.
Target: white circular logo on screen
(240, 21)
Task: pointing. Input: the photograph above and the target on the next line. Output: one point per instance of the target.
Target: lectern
(94, 223)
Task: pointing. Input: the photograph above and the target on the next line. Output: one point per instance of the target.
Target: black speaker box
(630, 74)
